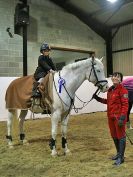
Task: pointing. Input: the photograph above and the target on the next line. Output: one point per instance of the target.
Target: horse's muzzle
(102, 85)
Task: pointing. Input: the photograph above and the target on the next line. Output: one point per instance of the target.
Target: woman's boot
(116, 142)
(122, 145)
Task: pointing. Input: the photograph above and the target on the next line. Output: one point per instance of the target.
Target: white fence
(85, 93)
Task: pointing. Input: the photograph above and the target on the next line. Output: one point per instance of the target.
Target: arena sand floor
(88, 139)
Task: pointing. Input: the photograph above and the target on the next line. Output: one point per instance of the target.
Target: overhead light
(112, 1)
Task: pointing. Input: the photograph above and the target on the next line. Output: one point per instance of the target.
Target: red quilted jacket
(117, 101)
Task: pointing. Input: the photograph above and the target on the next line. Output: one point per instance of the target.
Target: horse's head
(96, 75)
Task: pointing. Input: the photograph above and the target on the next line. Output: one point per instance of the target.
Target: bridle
(98, 83)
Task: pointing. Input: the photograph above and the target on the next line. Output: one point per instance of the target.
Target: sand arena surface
(88, 139)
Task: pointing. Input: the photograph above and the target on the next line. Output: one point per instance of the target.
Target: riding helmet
(44, 46)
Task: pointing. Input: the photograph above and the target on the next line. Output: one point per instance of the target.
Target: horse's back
(19, 92)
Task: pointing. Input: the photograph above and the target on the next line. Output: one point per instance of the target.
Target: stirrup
(46, 112)
(36, 95)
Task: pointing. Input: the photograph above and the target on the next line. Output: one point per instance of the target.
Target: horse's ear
(101, 59)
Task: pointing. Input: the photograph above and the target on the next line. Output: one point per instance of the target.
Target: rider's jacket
(45, 63)
(117, 101)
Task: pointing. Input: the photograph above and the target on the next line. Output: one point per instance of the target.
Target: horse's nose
(107, 86)
(105, 89)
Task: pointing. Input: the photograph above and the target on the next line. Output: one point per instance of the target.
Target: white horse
(65, 84)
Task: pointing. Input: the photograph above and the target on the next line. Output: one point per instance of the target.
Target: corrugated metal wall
(123, 60)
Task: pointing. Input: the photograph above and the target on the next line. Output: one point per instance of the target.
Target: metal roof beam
(95, 25)
(122, 24)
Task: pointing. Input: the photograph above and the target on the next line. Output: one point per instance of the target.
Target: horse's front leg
(64, 124)
(54, 122)
(22, 116)
(11, 114)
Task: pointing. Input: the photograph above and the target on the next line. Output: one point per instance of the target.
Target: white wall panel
(124, 38)
(123, 60)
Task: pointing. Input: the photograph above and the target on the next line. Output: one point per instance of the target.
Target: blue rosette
(61, 82)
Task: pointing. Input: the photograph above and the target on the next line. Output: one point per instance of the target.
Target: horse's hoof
(24, 142)
(11, 146)
(67, 152)
(54, 154)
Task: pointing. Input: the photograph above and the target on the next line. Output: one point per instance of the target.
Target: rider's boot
(35, 91)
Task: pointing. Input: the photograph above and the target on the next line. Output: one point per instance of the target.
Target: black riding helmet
(44, 46)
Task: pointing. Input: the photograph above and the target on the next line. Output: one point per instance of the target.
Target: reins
(85, 103)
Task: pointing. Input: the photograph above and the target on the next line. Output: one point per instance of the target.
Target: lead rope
(87, 102)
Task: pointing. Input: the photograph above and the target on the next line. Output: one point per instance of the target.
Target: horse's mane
(75, 64)
(79, 63)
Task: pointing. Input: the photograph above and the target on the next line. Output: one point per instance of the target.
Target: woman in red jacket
(117, 108)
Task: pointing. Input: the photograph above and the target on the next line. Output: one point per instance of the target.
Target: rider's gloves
(51, 71)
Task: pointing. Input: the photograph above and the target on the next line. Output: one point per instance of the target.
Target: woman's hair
(118, 74)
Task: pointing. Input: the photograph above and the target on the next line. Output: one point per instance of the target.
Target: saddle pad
(18, 93)
(46, 89)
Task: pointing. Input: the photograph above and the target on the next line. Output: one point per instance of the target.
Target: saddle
(43, 102)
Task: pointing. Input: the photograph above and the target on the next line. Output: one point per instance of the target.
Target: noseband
(98, 83)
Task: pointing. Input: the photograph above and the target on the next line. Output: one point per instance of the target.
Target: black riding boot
(116, 142)
(122, 145)
(35, 91)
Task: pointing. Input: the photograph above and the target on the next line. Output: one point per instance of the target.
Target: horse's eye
(98, 71)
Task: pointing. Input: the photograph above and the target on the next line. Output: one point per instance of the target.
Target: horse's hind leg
(64, 135)
(54, 121)
(22, 116)
(11, 114)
